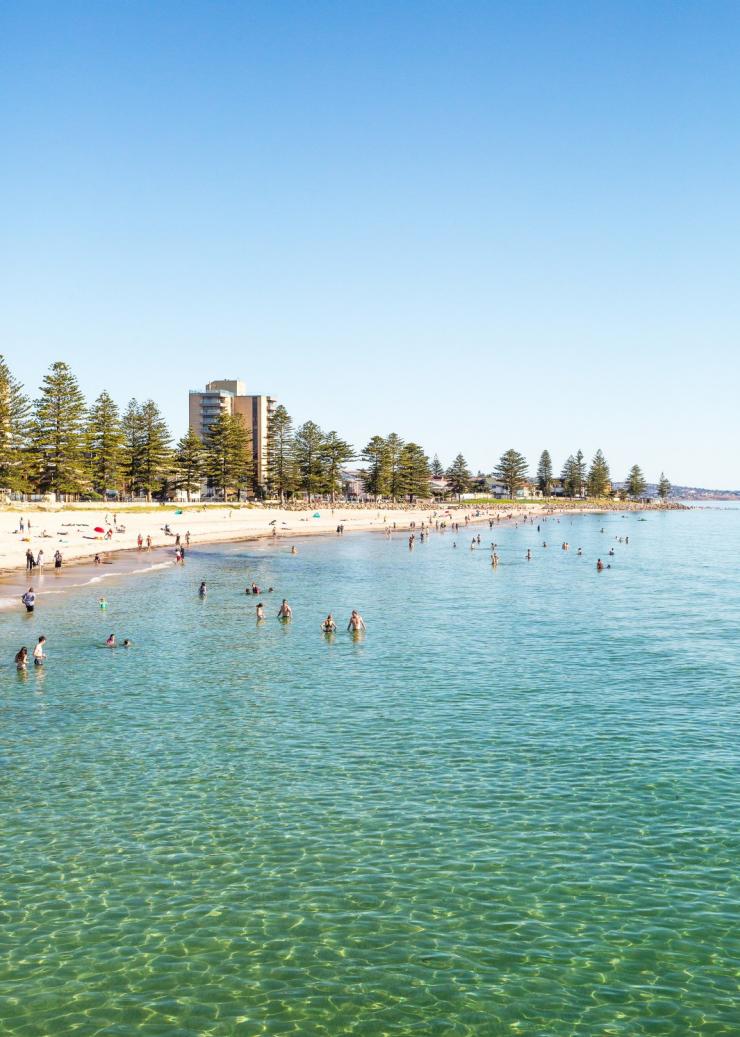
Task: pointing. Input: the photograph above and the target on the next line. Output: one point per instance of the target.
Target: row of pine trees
(579, 479)
(58, 444)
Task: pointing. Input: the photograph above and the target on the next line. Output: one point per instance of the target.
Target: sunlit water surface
(510, 809)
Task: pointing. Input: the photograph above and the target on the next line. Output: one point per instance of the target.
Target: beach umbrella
(179, 511)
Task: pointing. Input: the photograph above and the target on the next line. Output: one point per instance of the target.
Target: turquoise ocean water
(511, 808)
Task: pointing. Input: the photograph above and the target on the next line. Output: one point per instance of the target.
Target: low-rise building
(353, 485)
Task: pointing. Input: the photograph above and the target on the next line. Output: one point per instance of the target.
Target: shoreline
(123, 557)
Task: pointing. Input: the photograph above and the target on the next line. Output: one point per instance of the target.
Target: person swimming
(127, 643)
(102, 603)
(599, 565)
(21, 659)
(294, 550)
(260, 611)
(38, 653)
(202, 590)
(356, 622)
(111, 642)
(329, 626)
(285, 611)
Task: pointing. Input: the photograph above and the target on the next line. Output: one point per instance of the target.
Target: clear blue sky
(480, 225)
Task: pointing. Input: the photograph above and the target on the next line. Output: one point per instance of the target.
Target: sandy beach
(75, 532)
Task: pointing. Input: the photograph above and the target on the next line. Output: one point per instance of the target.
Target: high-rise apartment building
(230, 396)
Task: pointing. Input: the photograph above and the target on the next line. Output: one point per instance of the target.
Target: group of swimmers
(356, 623)
(39, 655)
(112, 643)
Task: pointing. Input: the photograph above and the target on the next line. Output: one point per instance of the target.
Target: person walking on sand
(38, 652)
(285, 611)
(29, 600)
(356, 622)
(21, 659)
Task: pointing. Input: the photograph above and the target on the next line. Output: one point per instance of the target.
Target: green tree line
(59, 444)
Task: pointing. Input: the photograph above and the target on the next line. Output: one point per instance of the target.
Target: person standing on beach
(356, 622)
(148, 542)
(40, 558)
(29, 600)
(140, 541)
(57, 559)
(30, 560)
(285, 611)
(38, 652)
(23, 525)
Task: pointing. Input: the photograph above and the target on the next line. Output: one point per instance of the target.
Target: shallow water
(510, 809)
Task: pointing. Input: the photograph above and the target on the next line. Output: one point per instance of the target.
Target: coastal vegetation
(59, 444)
